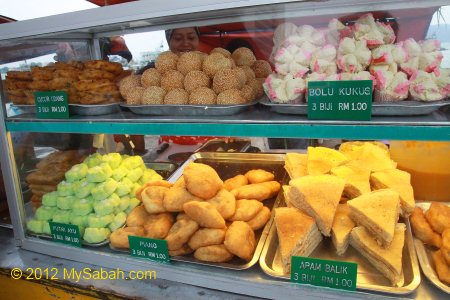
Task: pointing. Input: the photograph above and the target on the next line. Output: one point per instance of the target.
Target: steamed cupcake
(353, 56)
(324, 60)
(424, 87)
(390, 87)
(374, 33)
(285, 89)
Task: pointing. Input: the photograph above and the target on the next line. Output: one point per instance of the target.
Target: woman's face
(183, 40)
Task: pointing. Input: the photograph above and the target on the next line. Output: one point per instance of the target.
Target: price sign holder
(51, 105)
(65, 233)
(340, 100)
(152, 249)
(321, 272)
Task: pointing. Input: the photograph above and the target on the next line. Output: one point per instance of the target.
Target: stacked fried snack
(433, 228)
(355, 195)
(215, 219)
(91, 82)
(50, 171)
(198, 78)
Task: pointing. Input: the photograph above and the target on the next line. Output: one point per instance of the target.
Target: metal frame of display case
(140, 16)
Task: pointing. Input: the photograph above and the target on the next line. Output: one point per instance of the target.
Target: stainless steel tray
(228, 165)
(221, 145)
(165, 169)
(188, 110)
(424, 254)
(93, 109)
(402, 108)
(25, 108)
(368, 279)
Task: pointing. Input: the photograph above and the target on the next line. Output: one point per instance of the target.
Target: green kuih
(132, 162)
(96, 221)
(62, 217)
(133, 203)
(82, 207)
(135, 174)
(119, 221)
(65, 188)
(50, 199)
(77, 172)
(99, 173)
(93, 160)
(36, 226)
(104, 189)
(119, 173)
(96, 235)
(46, 228)
(65, 202)
(82, 188)
(107, 206)
(124, 187)
(149, 175)
(44, 213)
(112, 159)
(80, 221)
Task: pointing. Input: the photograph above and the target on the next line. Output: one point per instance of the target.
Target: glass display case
(299, 41)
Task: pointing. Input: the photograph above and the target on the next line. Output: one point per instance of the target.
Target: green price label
(340, 100)
(152, 249)
(51, 105)
(321, 272)
(65, 233)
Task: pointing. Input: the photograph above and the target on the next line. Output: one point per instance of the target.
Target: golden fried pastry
(258, 175)
(445, 249)
(172, 79)
(240, 74)
(261, 68)
(261, 218)
(176, 197)
(129, 83)
(248, 93)
(274, 187)
(15, 84)
(203, 96)
(240, 240)
(16, 93)
(157, 226)
(20, 75)
(224, 202)
(91, 84)
(43, 187)
(205, 214)
(151, 77)
(184, 250)
(96, 74)
(134, 96)
(422, 230)
(42, 73)
(180, 233)
(137, 216)
(189, 61)
(196, 79)
(438, 215)
(180, 182)
(226, 79)
(442, 268)
(230, 97)
(255, 191)
(183, 216)
(246, 210)
(243, 56)
(235, 182)
(257, 86)
(152, 198)
(222, 51)
(215, 62)
(177, 97)
(119, 237)
(166, 61)
(153, 95)
(66, 73)
(41, 177)
(213, 253)
(40, 85)
(201, 180)
(112, 67)
(207, 237)
(68, 65)
(63, 83)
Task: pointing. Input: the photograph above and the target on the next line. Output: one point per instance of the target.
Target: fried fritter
(202, 181)
(256, 191)
(274, 187)
(224, 202)
(259, 175)
(423, 230)
(157, 226)
(445, 249)
(442, 269)
(213, 253)
(207, 237)
(119, 238)
(175, 197)
(137, 216)
(184, 250)
(163, 183)
(438, 215)
(180, 233)
(246, 210)
(260, 219)
(152, 198)
(240, 240)
(205, 214)
(235, 182)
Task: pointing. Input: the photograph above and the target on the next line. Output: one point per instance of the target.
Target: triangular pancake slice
(375, 155)
(321, 160)
(387, 261)
(356, 176)
(295, 164)
(378, 212)
(318, 196)
(399, 181)
(297, 234)
(342, 226)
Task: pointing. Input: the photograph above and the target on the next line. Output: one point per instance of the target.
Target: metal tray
(402, 108)
(229, 165)
(165, 169)
(188, 110)
(424, 253)
(369, 278)
(49, 237)
(93, 109)
(25, 108)
(220, 145)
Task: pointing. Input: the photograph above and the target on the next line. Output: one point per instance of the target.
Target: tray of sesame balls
(197, 84)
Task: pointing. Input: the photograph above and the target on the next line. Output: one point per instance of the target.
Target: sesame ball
(172, 79)
(189, 61)
(196, 79)
(248, 93)
(134, 96)
(153, 95)
(176, 96)
(129, 83)
(215, 62)
(202, 95)
(243, 56)
(151, 77)
(166, 61)
(233, 96)
(226, 79)
(222, 51)
(261, 68)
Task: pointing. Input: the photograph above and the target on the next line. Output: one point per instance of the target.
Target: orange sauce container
(429, 166)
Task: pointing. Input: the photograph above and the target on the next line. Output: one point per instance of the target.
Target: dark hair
(169, 32)
(238, 43)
